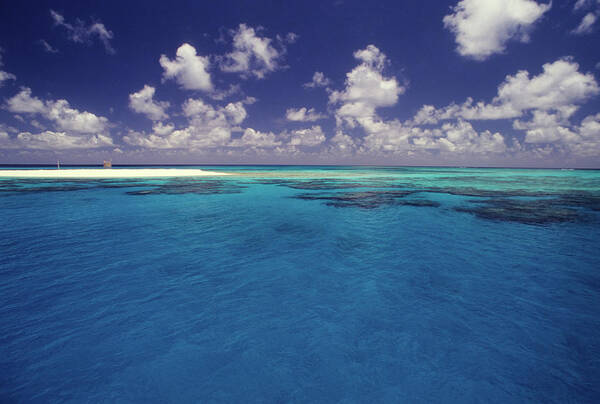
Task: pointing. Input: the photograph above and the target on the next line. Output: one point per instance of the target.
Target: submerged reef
(201, 187)
(368, 199)
(519, 204)
(34, 185)
(562, 208)
(330, 184)
(529, 212)
(177, 186)
(512, 205)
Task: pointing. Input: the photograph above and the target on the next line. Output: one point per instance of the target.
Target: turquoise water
(303, 284)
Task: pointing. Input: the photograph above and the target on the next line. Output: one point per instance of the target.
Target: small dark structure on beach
(107, 164)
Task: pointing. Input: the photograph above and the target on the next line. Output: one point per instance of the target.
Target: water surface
(303, 284)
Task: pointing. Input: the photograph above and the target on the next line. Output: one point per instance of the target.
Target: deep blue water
(303, 284)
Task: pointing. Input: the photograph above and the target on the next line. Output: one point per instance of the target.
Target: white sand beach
(109, 173)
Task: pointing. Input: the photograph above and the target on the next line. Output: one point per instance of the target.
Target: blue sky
(485, 83)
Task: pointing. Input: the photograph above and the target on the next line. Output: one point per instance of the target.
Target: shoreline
(109, 173)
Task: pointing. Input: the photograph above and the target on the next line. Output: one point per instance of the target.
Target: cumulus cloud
(482, 28)
(452, 138)
(143, 102)
(207, 127)
(342, 143)
(551, 131)
(252, 54)
(188, 69)
(49, 140)
(303, 115)
(318, 80)
(544, 127)
(73, 120)
(307, 137)
(23, 102)
(256, 139)
(366, 89)
(542, 107)
(79, 32)
(560, 87)
(162, 129)
(64, 117)
(461, 137)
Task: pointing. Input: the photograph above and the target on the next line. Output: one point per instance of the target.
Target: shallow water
(303, 284)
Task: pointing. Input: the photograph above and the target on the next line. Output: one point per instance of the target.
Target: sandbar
(109, 173)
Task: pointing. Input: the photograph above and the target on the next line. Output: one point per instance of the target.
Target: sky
(460, 83)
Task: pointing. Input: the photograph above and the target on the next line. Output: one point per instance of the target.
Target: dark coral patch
(329, 184)
(539, 211)
(201, 187)
(486, 193)
(368, 199)
(186, 186)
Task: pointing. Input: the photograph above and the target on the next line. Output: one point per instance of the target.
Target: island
(108, 173)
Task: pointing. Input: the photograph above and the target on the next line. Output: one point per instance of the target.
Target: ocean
(303, 284)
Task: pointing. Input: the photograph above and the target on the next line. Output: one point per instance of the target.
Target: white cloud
(365, 88)
(80, 33)
(256, 139)
(153, 141)
(455, 138)
(8, 129)
(586, 24)
(161, 129)
(554, 131)
(584, 4)
(544, 105)
(590, 127)
(252, 55)
(560, 87)
(23, 102)
(207, 127)
(579, 4)
(220, 95)
(47, 47)
(461, 137)
(103, 34)
(36, 124)
(188, 69)
(342, 143)
(70, 119)
(51, 140)
(482, 28)
(60, 112)
(143, 102)
(249, 100)
(5, 75)
(307, 137)
(291, 37)
(303, 115)
(318, 80)
(588, 141)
